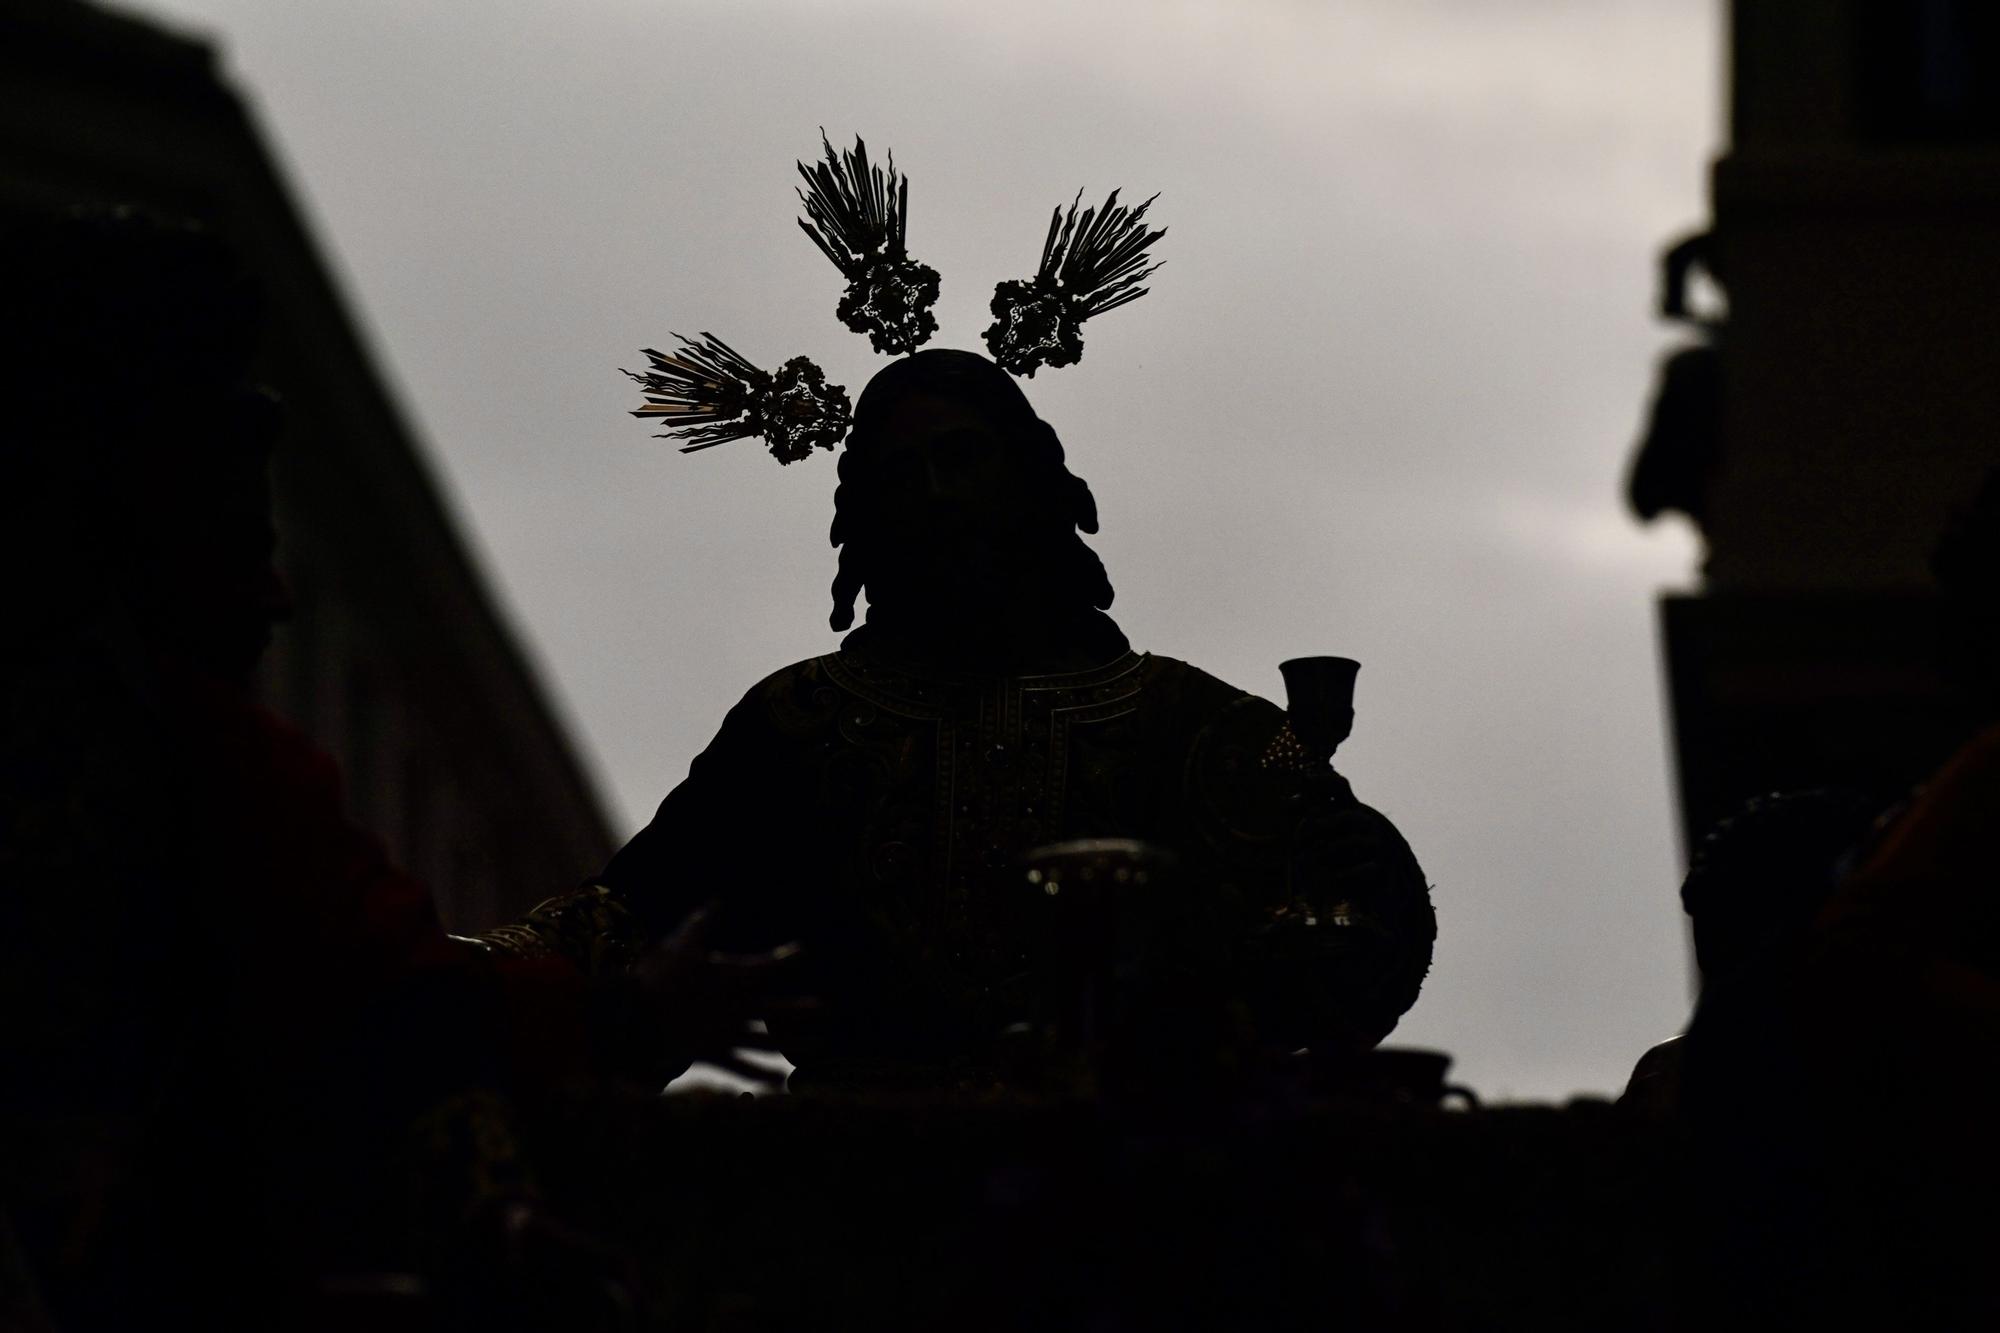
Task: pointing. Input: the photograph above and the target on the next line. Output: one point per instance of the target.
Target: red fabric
(1901, 1012)
(319, 918)
(1949, 828)
(1911, 939)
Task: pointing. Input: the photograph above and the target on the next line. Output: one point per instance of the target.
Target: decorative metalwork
(1089, 265)
(857, 215)
(711, 395)
(591, 927)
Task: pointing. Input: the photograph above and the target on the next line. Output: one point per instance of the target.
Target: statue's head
(950, 480)
(137, 453)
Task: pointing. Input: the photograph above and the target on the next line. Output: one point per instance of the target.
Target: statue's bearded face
(951, 491)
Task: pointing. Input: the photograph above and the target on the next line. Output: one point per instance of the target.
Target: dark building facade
(397, 659)
(1846, 404)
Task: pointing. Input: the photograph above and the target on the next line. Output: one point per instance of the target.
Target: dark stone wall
(398, 660)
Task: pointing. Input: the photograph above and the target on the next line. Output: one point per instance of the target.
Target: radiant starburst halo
(709, 394)
(857, 215)
(1089, 265)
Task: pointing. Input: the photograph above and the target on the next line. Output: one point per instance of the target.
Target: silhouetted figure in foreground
(236, 1035)
(1758, 881)
(1734, 1092)
(1837, 1081)
(1902, 994)
(877, 802)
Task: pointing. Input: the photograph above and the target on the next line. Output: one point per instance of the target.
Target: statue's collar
(1084, 645)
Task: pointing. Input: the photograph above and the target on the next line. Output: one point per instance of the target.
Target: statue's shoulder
(1203, 701)
(805, 699)
(794, 700)
(807, 673)
(1234, 798)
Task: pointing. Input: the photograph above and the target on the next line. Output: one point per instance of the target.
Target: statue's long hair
(1065, 506)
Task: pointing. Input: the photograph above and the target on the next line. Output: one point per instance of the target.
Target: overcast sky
(1378, 404)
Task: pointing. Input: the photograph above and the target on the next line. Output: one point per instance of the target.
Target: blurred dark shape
(1966, 565)
(1933, 72)
(226, 1000)
(1851, 969)
(1898, 998)
(165, 505)
(395, 656)
(141, 806)
(1676, 462)
(1822, 431)
(245, 1053)
(1759, 879)
(1750, 1185)
(877, 802)
(1761, 876)
(1900, 1006)
(1678, 456)
(1680, 263)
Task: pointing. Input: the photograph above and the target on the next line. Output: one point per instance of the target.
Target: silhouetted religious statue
(876, 803)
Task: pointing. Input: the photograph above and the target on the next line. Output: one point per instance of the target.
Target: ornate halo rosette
(857, 215)
(712, 396)
(1089, 265)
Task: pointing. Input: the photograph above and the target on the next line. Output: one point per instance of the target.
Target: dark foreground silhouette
(242, 1055)
(1828, 1098)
